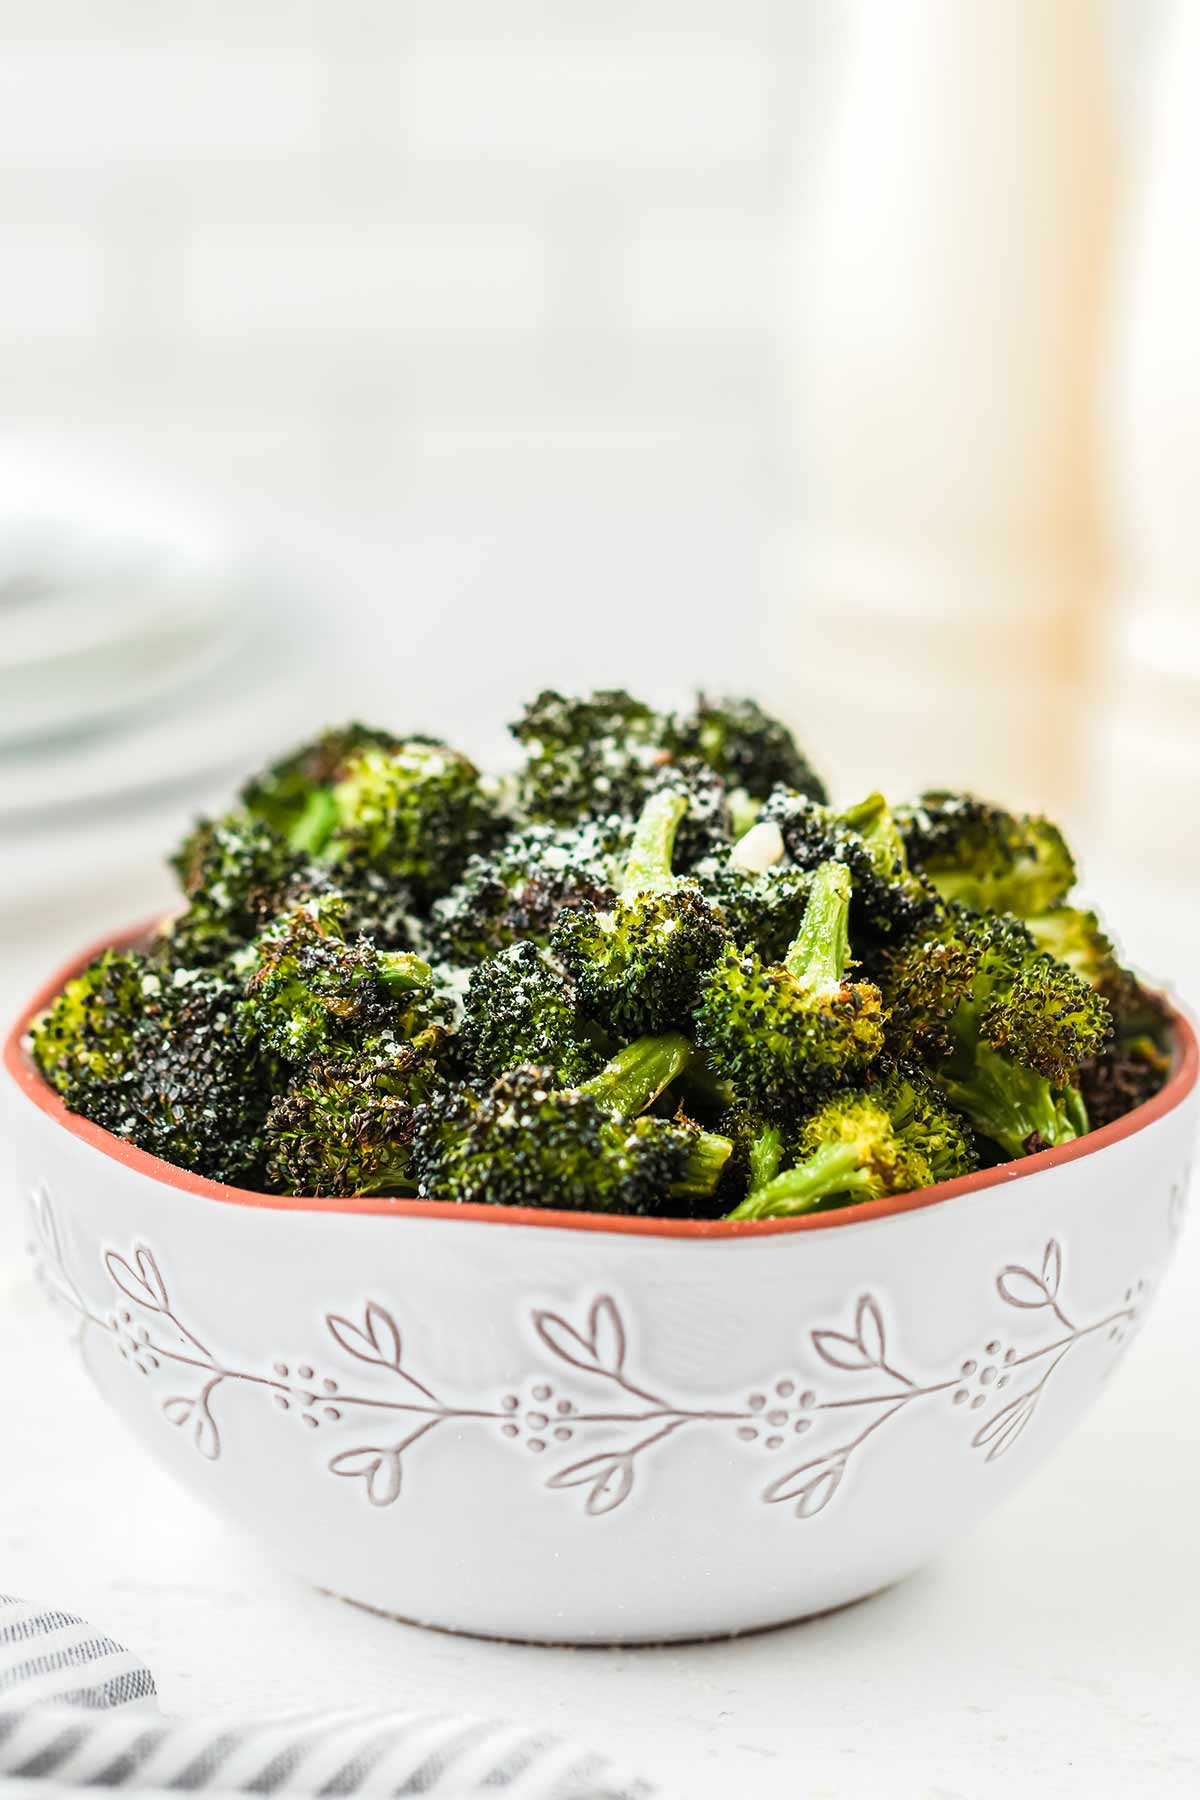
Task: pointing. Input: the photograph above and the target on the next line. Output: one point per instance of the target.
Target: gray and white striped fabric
(73, 1715)
(47, 1654)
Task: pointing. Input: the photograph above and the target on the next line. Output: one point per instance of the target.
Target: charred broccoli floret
(744, 745)
(234, 872)
(1132, 1067)
(370, 903)
(637, 968)
(87, 1037)
(415, 813)
(522, 1143)
(293, 795)
(519, 1008)
(1002, 1026)
(519, 891)
(891, 902)
(310, 993)
(343, 1128)
(784, 1032)
(156, 1058)
(891, 1138)
(585, 758)
(984, 857)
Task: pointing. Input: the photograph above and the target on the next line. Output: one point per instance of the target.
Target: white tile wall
(292, 231)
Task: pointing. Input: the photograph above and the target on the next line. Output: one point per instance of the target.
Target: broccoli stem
(313, 829)
(833, 1169)
(766, 1154)
(401, 972)
(648, 868)
(1014, 1106)
(634, 1078)
(821, 948)
(707, 1156)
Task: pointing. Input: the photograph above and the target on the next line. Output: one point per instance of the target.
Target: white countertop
(1054, 1653)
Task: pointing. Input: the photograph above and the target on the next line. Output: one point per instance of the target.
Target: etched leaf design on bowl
(865, 1348)
(379, 1468)
(812, 1485)
(376, 1340)
(608, 1477)
(140, 1281)
(998, 1433)
(193, 1410)
(1021, 1287)
(600, 1349)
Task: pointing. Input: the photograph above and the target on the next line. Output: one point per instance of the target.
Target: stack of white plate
(143, 662)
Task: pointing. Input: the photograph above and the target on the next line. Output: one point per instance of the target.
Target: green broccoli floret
(637, 968)
(522, 1143)
(1076, 937)
(744, 745)
(891, 902)
(157, 1059)
(234, 872)
(587, 758)
(891, 1138)
(519, 890)
(86, 1038)
(415, 813)
(343, 1128)
(293, 796)
(1132, 1067)
(784, 1032)
(1002, 1026)
(310, 993)
(984, 857)
(519, 1008)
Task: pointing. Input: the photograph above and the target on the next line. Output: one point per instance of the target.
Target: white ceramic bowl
(554, 1426)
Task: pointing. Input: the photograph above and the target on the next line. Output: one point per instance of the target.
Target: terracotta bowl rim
(17, 1060)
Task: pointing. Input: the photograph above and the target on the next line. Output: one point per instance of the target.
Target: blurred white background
(838, 351)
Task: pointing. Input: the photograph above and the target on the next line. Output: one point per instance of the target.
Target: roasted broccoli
(744, 745)
(157, 1058)
(587, 758)
(519, 1008)
(759, 891)
(293, 795)
(518, 892)
(415, 813)
(1002, 1026)
(784, 1032)
(234, 872)
(651, 969)
(891, 902)
(601, 754)
(308, 992)
(889, 1138)
(984, 857)
(345, 1127)
(637, 968)
(524, 1143)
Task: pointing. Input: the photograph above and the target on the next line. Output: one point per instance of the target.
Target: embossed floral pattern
(591, 1395)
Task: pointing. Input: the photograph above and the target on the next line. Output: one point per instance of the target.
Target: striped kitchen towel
(73, 1714)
